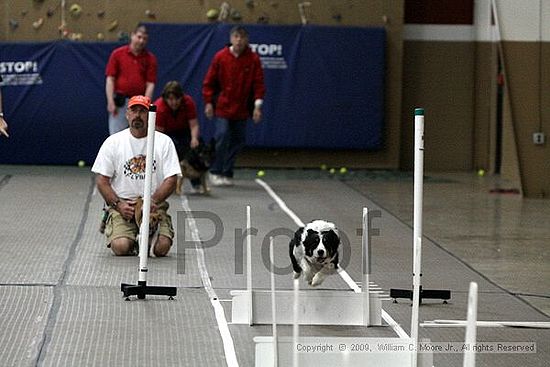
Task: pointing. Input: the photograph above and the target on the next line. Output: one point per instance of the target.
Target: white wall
(519, 20)
(522, 20)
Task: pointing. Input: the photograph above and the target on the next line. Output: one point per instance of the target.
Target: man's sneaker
(217, 180)
(227, 181)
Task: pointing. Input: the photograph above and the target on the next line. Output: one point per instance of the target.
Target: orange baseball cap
(139, 100)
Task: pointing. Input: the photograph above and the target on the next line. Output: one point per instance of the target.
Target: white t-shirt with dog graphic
(122, 158)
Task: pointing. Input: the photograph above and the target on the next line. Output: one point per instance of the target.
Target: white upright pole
(417, 219)
(471, 321)
(273, 305)
(416, 296)
(366, 269)
(295, 326)
(249, 267)
(144, 229)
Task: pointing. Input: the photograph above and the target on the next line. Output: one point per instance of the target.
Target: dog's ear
(298, 235)
(138, 212)
(331, 238)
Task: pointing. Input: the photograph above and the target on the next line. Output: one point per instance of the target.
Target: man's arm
(151, 76)
(125, 208)
(109, 93)
(191, 109)
(209, 87)
(149, 89)
(165, 189)
(195, 132)
(259, 90)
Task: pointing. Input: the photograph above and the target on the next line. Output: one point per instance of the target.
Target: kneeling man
(120, 178)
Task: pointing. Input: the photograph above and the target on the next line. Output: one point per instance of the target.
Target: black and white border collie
(314, 250)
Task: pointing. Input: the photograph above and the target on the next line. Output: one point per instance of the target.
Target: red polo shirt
(173, 123)
(131, 72)
(237, 79)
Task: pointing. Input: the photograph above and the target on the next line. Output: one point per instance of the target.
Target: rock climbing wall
(111, 20)
(97, 20)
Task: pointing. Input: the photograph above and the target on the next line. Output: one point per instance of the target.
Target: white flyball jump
(471, 331)
(322, 351)
(402, 352)
(316, 307)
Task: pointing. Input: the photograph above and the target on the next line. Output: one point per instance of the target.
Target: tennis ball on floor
(260, 173)
(332, 171)
(324, 167)
(481, 172)
(343, 170)
(81, 163)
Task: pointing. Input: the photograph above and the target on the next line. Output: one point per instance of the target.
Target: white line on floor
(351, 283)
(228, 346)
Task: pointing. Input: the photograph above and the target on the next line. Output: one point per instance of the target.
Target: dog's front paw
(151, 250)
(297, 275)
(317, 280)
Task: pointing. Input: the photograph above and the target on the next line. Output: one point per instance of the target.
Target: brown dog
(195, 165)
(154, 218)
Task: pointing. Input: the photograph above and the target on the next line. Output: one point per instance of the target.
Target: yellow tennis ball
(81, 163)
(332, 171)
(343, 170)
(260, 173)
(324, 167)
(481, 172)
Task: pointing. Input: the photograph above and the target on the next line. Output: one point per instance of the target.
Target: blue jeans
(118, 123)
(230, 138)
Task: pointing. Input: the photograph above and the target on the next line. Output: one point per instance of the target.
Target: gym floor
(61, 303)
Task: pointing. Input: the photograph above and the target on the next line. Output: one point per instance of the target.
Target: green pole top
(419, 112)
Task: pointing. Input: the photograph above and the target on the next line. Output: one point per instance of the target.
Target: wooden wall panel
(439, 11)
(439, 76)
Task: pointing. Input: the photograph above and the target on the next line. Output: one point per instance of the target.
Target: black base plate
(442, 294)
(141, 290)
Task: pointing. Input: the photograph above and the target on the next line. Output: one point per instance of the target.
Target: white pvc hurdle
(397, 355)
(273, 305)
(331, 351)
(470, 338)
(417, 220)
(324, 307)
(492, 324)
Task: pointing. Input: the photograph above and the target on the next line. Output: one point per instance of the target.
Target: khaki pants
(117, 226)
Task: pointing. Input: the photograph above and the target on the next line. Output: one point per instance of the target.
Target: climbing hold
(236, 15)
(75, 10)
(113, 25)
(38, 23)
(212, 14)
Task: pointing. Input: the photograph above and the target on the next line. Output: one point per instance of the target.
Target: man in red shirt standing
(131, 70)
(236, 77)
